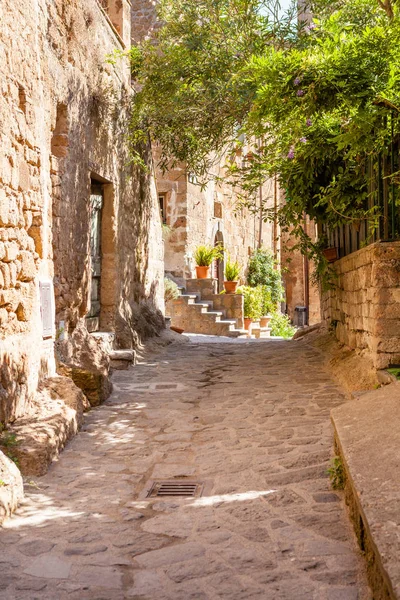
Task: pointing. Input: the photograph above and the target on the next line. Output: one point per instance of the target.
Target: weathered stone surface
(54, 417)
(243, 538)
(62, 123)
(368, 438)
(11, 487)
(364, 306)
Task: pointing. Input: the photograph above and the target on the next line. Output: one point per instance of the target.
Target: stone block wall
(64, 111)
(230, 304)
(364, 307)
(144, 19)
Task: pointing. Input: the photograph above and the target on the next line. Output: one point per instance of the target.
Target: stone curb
(367, 438)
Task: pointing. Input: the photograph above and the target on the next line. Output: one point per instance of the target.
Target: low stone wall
(364, 307)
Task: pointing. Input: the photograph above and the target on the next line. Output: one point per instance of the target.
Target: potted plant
(232, 274)
(252, 304)
(267, 305)
(204, 256)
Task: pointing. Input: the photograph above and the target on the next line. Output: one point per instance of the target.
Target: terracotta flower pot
(247, 323)
(264, 321)
(202, 272)
(230, 286)
(176, 329)
(331, 254)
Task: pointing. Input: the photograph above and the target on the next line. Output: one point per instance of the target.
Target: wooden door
(96, 205)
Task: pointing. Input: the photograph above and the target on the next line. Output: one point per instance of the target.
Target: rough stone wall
(144, 19)
(364, 307)
(63, 114)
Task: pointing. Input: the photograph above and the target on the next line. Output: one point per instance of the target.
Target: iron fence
(383, 202)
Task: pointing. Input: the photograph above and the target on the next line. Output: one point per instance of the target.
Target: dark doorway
(219, 266)
(96, 206)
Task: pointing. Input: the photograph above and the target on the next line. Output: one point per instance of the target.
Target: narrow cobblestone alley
(248, 420)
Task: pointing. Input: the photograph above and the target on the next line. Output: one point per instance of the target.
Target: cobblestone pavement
(250, 421)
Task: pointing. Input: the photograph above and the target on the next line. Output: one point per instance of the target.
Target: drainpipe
(261, 219)
(275, 225)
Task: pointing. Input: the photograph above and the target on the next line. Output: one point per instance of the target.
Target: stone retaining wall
(364, 307)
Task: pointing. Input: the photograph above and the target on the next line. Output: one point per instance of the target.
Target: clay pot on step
(264, 321)
(230, 286)
(247, 323)
(202, 272)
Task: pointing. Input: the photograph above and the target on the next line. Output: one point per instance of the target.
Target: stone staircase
(195, 311)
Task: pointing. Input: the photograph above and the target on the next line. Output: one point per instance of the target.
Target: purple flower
(304, 140)
(291, 153)
(308, 122)
(312, 26)
(297, 81)
(300, 92)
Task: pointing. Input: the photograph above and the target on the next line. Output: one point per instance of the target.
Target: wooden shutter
(46, 308)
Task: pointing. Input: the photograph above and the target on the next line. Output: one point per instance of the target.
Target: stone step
(235, 333)
(105, 339)
(122, 359)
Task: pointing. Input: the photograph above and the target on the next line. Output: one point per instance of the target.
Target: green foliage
(171, 290)
(2, 483)
(8, 441)
(281, 326)
(252, 299)
(232, 270)
(337, 473)
(263, 270)
(319, 97)
(268, 307)
(204, 255)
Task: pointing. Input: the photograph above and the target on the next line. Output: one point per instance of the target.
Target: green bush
(281, 326)
(171, 290)
(263, 269)
(268, 307)
(252, 297)
(204, 255)
(232, 271)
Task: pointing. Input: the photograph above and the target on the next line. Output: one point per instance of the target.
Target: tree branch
(386, 5)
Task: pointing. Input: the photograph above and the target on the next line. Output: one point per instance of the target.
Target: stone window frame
(117, 28)
(163, 210)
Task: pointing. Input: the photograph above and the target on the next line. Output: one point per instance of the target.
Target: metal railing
(383, 202)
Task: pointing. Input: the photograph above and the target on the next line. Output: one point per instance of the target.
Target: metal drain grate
(186, 489)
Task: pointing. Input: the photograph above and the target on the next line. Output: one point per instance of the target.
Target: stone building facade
(75, 220)
(196, 216)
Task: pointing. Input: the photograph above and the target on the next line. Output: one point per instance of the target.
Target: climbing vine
(316, 99)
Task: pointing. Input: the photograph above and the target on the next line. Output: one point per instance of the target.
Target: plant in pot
(252, 304)
(268, 307)
(232, 274)
(204, 256)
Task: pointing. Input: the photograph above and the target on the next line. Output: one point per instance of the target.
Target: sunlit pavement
(248, 422)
